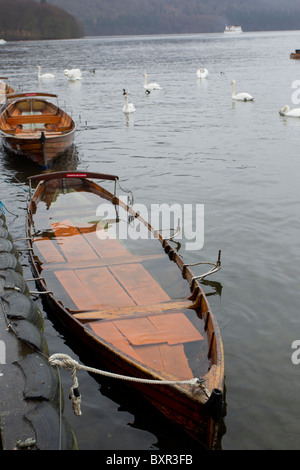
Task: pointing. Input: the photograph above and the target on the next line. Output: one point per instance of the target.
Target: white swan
(128, 107)
(45, 75)
(240, 96)
(151, 86)
(287, 111)
(73, 74)
(202, 73)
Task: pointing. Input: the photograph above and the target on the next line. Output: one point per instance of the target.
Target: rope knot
(66, 362)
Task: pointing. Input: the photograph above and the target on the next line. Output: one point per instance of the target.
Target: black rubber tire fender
(45, 420)
(4, 233)
(9, 261)
(41, 379)
(6, 246)
(31, 335)
(10, 279)
(21, 307)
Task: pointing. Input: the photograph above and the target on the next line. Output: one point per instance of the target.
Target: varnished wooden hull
(196, 409)
(40, 153)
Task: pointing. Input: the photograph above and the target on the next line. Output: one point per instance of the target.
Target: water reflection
(18, 169)
(129, 119)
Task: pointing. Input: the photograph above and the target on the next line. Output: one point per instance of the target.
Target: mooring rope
(66, 362)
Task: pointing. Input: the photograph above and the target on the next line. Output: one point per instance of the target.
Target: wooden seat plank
(33, 118)
(117, 312)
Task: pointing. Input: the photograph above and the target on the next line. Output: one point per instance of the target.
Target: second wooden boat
(34, 127)
(130, 299)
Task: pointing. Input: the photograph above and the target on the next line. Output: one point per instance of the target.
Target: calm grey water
(189, 143)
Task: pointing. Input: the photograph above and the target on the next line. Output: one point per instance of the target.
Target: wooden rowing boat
(34, 127)
(133, 302)
(5, 89)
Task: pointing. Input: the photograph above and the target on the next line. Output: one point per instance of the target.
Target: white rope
(66, 362)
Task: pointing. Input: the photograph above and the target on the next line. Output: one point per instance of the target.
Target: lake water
(189, 143)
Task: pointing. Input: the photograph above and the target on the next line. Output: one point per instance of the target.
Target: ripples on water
(188, 143)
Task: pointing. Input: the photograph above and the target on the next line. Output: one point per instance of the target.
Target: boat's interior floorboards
(110, 290)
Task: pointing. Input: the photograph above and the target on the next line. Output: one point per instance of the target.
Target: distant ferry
(2, 41)
(236, 29)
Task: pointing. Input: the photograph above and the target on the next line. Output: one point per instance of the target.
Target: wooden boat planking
(33, 127)
(196, 410)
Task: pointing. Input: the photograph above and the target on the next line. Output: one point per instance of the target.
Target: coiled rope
(66, 362)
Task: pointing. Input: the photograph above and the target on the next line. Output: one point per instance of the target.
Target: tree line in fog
(30, 20)
(63, 19)
(117, 17)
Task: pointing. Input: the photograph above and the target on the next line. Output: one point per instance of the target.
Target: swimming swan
(240, 96)
(151, 86)
(128, 107)
(73, 74)
(45, 75)
(202, 73)
(287, 111)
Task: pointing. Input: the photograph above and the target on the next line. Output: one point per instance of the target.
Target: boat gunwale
(30, 95)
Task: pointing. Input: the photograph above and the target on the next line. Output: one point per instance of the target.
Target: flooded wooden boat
(5, 89)
(131, 300)
(34, 127)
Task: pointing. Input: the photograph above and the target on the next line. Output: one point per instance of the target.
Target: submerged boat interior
(126, 291)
